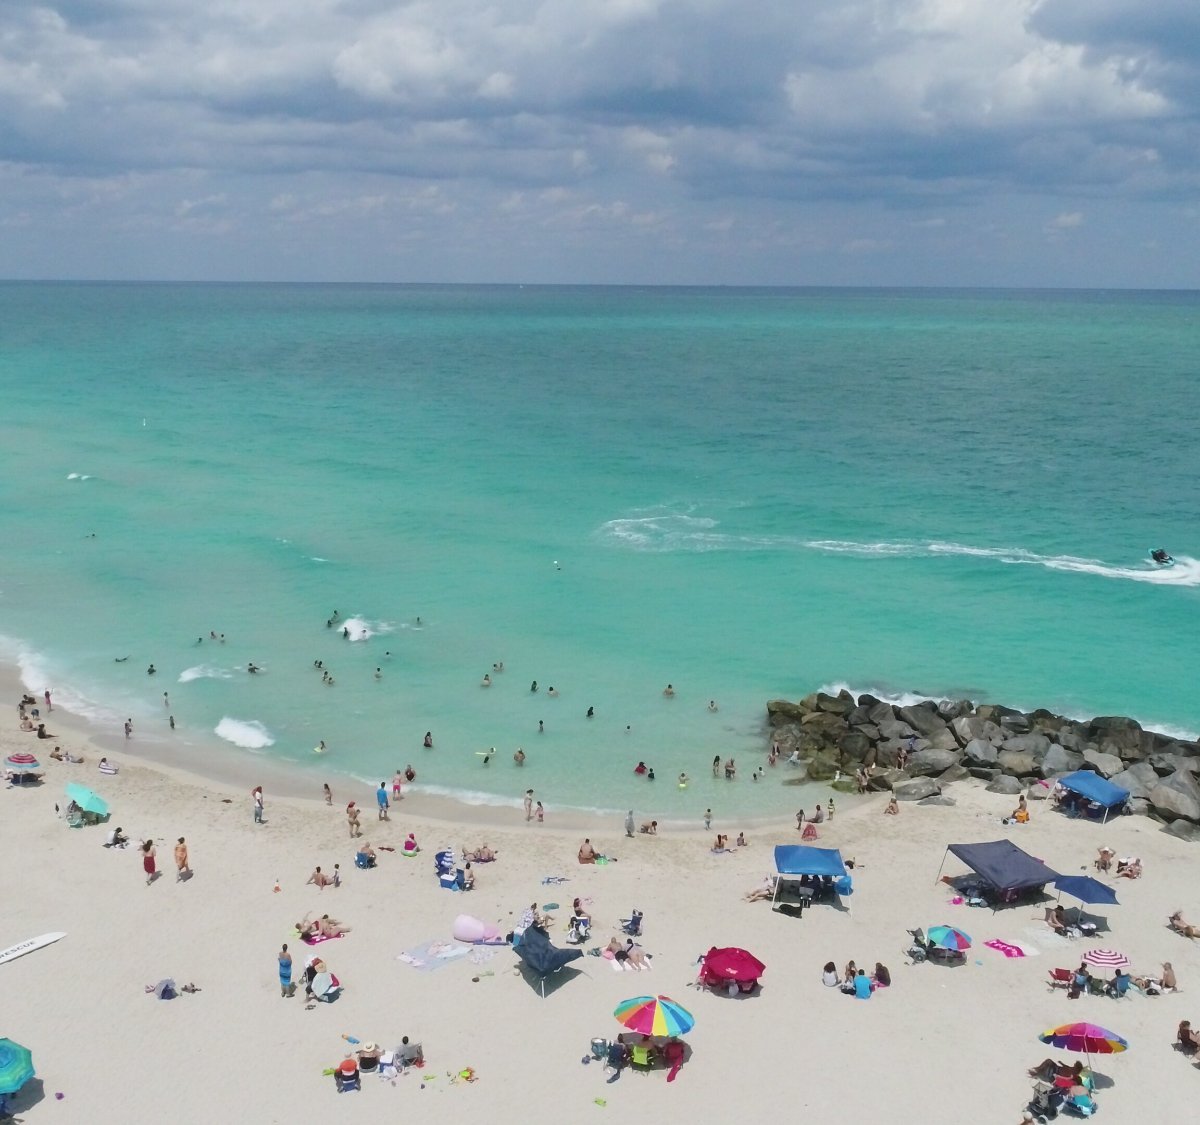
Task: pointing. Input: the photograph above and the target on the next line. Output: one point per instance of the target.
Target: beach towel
(553, 880)
(626, 967)
(1005, 948)
(316, 939)
(433, 955)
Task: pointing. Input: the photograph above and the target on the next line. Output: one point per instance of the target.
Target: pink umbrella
(1106, 958)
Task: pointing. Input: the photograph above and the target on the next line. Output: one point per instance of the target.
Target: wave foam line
(249, 734)
(676, 532)
(204, 672)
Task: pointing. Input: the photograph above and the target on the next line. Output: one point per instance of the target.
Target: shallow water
(747, 494)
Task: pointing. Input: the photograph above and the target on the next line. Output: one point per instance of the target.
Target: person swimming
(429, 740)
(640, 768)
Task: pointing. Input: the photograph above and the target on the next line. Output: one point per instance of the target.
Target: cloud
(712, 112)
(1068, 220)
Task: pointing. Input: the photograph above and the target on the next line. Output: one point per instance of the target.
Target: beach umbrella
(87, 800)
(733, 964)
(165, 989)
(947, 937)
(1106, 959)
(654, 1015)
(22, 762)
(324, 985)
(1087, 1038)
(1086, 889)
(16, 1066)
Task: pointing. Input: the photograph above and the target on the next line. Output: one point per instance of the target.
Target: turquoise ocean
(745, 493)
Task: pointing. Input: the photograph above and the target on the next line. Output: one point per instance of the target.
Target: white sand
(942, 1045)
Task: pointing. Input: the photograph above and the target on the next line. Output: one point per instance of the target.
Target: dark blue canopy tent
(1003, 867)
(1092, 787)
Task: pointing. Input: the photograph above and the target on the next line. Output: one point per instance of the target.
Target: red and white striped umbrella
(1106, 958)
(21, 763)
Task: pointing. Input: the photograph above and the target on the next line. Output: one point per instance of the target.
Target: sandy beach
(938, 1045)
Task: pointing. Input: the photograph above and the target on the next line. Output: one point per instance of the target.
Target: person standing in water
(528, 802)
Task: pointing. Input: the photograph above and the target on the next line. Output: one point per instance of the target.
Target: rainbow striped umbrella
(1086, 1037)
(654, 1015)
(21, 763)
(947, 937)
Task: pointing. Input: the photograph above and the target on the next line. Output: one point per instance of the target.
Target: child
(541, 813)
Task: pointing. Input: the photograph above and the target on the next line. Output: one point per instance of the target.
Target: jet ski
(1160, 556)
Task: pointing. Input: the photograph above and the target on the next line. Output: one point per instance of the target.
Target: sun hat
(369, 1048)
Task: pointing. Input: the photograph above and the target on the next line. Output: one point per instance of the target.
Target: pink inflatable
(476, 932)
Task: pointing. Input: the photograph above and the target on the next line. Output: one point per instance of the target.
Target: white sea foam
(247, 733)
(204, 672)
(79, 476)
(668, 531)
(909, 699)
(360, 629)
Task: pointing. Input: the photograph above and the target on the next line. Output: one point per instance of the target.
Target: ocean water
(747, 494)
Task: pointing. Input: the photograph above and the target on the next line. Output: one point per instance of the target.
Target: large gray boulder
(840, 704)
(868, 729)
(942, 799)
(984, 773)
(929, 763)
(923, 718)
(954, 708)
(887, 753)
(1070, 739)
(858, 716)
(916, 790)
(952, 774)
(1057, 760)
(784, 711)
(854, 746)
(894, 728)
(1177, 796)
(1106, 765)
(1116, 734)
(1035, 745)
(943, 740)
(1164, 763)
(1017, 763)
(877, 712)
(1047, 721)
(1037, 792)
(1003, 784)
(1015, 724)
(1185, 830)
(968, 727)
(1138, 779)
(979, 752)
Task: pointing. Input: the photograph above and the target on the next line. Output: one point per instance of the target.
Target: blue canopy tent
(799, 859)
(1092, 787)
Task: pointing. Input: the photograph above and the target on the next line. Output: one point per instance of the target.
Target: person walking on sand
(629, 824)
(257, 796)
(528, 802)
(707, 819)
(286, 988)
(381, 799)
(352, 820)
(46, 697)
(148, 861)
(328, 793)
(397, 783)
(182, 870)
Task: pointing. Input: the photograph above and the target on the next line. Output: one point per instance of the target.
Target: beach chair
(642, 1055)
(1061, 978)
(618, 1057)
(75, 819)
(1118, 988)
(363, 861)
(633, 924)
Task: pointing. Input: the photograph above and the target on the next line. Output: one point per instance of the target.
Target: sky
(702, 142)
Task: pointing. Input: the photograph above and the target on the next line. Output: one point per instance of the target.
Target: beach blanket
(316, 939)
(433, 955)
(482, 954)
(1005, 948)
(625, 967)
(553, 880)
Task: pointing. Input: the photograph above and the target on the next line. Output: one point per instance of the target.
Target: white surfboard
(19, 950)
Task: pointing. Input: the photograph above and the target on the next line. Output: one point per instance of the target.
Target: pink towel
(319, 938)
(1005, 948)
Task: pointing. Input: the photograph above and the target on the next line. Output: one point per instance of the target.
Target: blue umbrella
(87, 800)
(16, 1066)
(1086, 889)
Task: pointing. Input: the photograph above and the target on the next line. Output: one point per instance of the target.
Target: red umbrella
(732, 964)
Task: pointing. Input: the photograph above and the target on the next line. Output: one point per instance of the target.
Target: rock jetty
(942, 741)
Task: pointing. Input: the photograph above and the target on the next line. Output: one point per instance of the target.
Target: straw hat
(369, 1048)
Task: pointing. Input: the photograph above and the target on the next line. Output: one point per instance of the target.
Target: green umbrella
(87, 800)
(16, 1066)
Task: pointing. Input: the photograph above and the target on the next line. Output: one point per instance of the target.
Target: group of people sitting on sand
(854, 981)
(482, 854)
